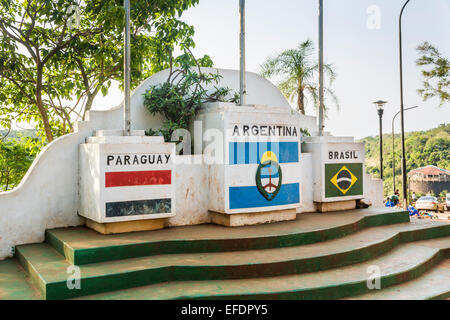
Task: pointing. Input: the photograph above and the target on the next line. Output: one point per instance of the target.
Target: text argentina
(137, 160)
(265, 130)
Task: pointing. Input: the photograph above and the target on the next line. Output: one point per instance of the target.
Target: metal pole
(393, 149)
(380, 114)
(127, 56)
(321, 91)
(393, 142)
(404, 180)
(242, 92)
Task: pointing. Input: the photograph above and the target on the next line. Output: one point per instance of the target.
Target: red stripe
(138, 178)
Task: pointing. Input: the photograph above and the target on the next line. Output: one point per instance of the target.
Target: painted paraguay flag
(264, 174)
(122, 181)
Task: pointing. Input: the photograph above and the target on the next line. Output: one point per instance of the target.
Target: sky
(360, 41)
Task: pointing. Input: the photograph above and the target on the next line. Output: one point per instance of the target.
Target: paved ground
(441, 216)
(444, 216)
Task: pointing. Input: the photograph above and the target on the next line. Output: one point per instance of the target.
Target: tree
(51, 70)
(15, 158)
(436, 80)
(298, 70)
(33, 33)
(423, 148)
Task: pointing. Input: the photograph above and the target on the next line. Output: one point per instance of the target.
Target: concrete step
(14, 282)
(435, 284)
(49, 269)
(83, 246)
(404, 263)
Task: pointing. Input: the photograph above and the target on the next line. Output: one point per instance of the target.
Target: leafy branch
(181, 97)
(436, 80)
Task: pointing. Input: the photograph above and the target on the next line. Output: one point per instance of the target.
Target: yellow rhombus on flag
(352, 180)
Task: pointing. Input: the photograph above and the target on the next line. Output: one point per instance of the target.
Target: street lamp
(380, 108)
(393, 142)
(405, 187)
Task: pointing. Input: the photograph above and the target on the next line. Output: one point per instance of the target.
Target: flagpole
(242, 91)
(127, 77)
(321, 89)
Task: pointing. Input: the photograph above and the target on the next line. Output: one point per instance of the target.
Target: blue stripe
(250, 197)
(252, 152)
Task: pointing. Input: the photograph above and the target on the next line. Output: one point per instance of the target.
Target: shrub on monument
(181, 97)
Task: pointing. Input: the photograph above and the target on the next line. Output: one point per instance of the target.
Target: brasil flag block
(270, 177)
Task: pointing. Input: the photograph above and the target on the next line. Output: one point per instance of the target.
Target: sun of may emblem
(344, 180)
(269, 176)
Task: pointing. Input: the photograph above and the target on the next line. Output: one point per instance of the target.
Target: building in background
(429, 179)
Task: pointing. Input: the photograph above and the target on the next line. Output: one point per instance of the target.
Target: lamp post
(404, 187)
(393, 142)
(380, 108)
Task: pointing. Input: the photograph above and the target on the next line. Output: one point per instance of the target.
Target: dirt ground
(441, 216)
(444, 216)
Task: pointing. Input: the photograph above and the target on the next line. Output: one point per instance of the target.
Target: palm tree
(297, 68)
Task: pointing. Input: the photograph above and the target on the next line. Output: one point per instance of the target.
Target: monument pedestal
(338, 172)
(126, 182)
(254, 170)
(249, 219)
(126, 226)
(335, 206)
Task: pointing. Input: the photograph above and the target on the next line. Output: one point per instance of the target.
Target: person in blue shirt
(389, 203)
(412, 211)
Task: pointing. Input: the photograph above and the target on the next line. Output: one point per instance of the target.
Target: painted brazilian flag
(343, 180)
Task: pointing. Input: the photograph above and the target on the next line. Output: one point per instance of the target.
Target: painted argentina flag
(264, 174)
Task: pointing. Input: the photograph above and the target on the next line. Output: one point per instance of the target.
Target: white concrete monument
(256, 176)
(126, 179)
(97, 176)
(338, 171)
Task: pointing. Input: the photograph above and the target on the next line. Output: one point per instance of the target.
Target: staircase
(317, 256)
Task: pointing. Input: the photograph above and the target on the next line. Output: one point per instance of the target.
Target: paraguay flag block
(263, 174)
(150, 182)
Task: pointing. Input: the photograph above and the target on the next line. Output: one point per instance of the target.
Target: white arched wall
(260, 91)
(47, 197)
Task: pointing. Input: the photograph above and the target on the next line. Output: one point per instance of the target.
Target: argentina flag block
(263, 170)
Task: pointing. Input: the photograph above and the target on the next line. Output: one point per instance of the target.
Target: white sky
(365, 59)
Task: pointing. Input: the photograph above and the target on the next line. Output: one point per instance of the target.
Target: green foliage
(15, 159)
(181, 97)
(423, 148)
(298, 70)
(51, 71)
(14, 134)
(305, 132)
(436, 80)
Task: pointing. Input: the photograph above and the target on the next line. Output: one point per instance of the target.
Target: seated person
(412, 211)
(389, 203)
(394, 199)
